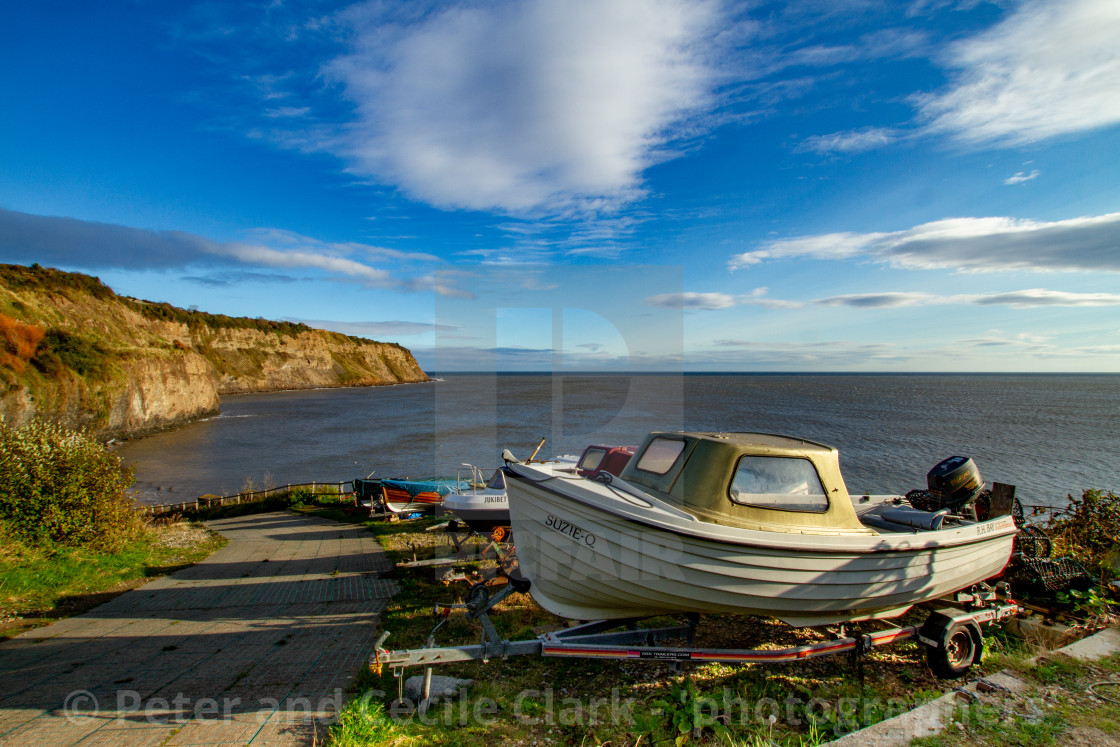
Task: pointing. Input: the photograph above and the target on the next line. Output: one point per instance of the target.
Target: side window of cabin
(660, 455)
(786, 483)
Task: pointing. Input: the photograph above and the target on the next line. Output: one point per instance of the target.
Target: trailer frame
(952, 634)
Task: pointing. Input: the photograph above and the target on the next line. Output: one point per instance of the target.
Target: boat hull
(591, 556)
(409, 496)
(482, 510)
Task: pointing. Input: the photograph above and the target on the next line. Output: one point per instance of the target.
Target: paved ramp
(254, 645)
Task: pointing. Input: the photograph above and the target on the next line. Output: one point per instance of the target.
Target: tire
(961, 650)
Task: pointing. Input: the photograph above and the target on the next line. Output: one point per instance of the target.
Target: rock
(442, 687)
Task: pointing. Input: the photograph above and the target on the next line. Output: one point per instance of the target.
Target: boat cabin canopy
(750, 480)
(596, 458)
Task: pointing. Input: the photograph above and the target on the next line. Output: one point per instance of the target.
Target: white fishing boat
(484, 506)
(744, 523)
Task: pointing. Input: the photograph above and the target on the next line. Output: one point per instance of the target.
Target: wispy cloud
(1030, 298)
(850, 141)
(1041, 297)
(768, 355)
(227, 278)
(544, 105)
(1019, 177)
(377, 330)
(997, 338)
(889, 300)
(716, 301)
(1089, 244)
(261, 255)
(1052, 67)
(708, 301)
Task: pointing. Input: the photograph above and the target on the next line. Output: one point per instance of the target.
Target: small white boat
(481, 508)
(485, 506)
(741, 523)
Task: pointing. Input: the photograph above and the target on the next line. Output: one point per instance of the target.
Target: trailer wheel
(958, 653)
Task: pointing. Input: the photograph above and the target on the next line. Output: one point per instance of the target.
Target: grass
(1056, 707)
(39, 585)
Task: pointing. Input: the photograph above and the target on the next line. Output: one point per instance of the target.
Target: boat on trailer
(481, 508)
(744, 523)
(484, 506)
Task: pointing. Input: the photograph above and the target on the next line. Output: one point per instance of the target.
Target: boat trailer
(952, 635)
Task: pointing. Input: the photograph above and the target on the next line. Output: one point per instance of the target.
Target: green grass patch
(41, 583)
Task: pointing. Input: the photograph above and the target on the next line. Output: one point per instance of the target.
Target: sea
(1050, 435)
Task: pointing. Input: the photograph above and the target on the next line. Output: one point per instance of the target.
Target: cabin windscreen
(592, 459)
(784, 483)
(660, 455)
(498, 481)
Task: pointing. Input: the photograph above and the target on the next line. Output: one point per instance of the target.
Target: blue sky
(589, 184)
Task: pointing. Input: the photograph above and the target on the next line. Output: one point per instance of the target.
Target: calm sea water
(1049, 435)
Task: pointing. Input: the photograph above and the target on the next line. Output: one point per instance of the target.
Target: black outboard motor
(954, 484)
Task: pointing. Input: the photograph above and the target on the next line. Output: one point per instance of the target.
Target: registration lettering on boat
(566, 527)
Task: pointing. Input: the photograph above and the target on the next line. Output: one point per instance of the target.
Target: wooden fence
(202, 504)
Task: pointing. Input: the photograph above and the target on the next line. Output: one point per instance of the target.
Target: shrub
(1089, 532)
(300, 497)
(81, 354)
(60, 485)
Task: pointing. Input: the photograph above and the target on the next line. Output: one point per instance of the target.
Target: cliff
(72, 349)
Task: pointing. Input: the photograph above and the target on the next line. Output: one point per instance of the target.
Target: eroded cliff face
(73, 350)
(251, 361)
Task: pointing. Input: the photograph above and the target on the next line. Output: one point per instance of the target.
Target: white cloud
(544, 105)
(1090, 244)
(261, 255)
(1019, 177)
(1052, 67)
(850, 141)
